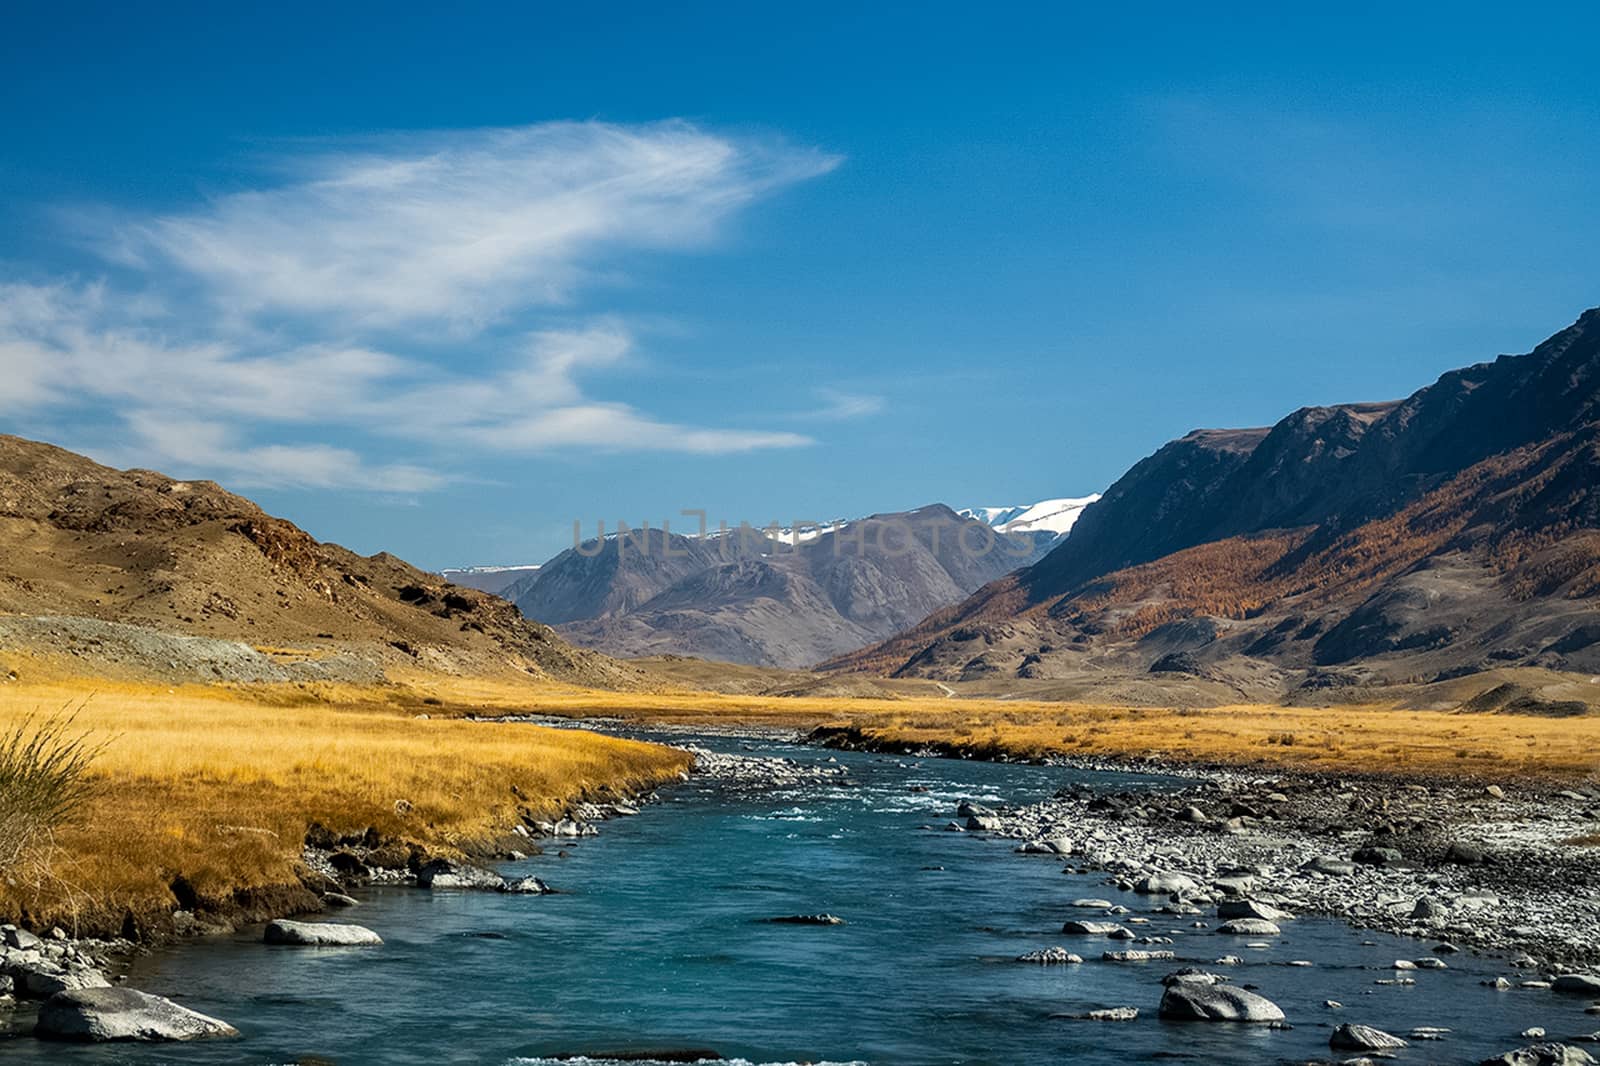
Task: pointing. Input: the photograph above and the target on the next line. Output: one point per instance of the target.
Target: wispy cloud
(319, 306)
(464, 226)
(837, 406)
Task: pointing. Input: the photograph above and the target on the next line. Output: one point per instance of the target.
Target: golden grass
(1378, 739)
(219, 786)
(1368, 740)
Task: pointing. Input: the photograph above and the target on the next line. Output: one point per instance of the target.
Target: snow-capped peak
(1046, 516)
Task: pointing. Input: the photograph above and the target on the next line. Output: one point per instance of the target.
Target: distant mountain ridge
(1452, 531)
(789, 600)
(491, 579)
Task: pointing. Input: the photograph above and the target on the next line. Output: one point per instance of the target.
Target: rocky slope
(1453, 531)
(757, 599)
(135, 570)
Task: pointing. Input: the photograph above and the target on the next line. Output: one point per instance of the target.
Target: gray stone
(1427, 909)
(20, 939)
(1249, 927)
(1217, 1003)
(1577, 984)
(1113, 1014)
(1191, 976)
(442, 873)
(1091, 928)
(526, 886)
(1543, 1055)
(1349, 1037)
(1137, 955)
(1051, 957)
(102, 1014)
(1230, 909)
(1165, 884)
(40, 978)
(319, 934)
(1377, 856)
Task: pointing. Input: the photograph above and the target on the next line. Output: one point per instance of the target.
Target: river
(658, 940)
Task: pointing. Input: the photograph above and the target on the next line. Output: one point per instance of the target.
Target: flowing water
(658, 941)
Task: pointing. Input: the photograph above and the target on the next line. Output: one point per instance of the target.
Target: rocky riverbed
(1489, 868)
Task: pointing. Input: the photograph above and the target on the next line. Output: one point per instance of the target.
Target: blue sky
(442, 285)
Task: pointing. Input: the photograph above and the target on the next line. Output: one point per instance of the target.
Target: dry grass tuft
(43, 782)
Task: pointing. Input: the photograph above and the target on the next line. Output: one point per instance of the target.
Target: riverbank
(1500, 868)
(204, 797)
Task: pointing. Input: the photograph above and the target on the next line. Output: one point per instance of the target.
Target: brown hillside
(86, 549)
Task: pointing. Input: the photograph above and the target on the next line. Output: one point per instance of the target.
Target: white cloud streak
(464, 227)
(292, 309)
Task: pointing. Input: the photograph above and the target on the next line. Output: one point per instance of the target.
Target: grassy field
(219, 787)
(1368, 739)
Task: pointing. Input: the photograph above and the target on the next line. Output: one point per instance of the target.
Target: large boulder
(319, 934)
(101, 1014)
(1077, 928)
(1249, 927)
(1543, 1055)
(1230, 909)
(1578, 984)
(1217, 1003)
(35, 977)
(1349, 1037)
(442, 873)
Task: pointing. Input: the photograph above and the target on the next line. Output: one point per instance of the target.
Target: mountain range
(784, 598)
(1454, 531)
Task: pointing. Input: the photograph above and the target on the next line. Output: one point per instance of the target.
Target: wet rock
(1543, 1055)
(1051, 957)
(1138, 955)
(1248, 908)
(1075, 928)
(1096, 904)
(442, 873)
(1249, 927)
(1577, 984)
(1217, 1003)
(1349, 1037)
(318, 934)
(106, 1014)
(525, 886)
(807, 919)
(339, 899)
(1191, 976)
(1113, 1014)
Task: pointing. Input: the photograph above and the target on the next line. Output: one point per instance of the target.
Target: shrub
(43, 782)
